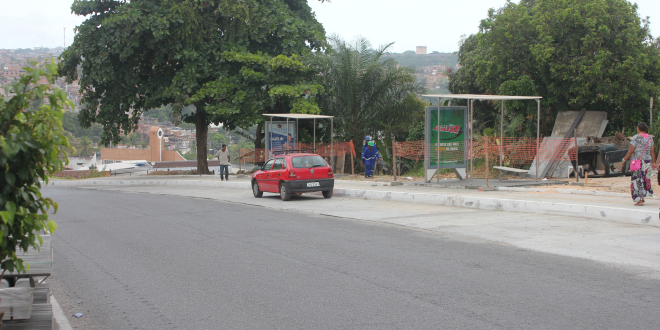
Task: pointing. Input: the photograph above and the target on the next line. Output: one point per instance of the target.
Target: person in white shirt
(223, 157)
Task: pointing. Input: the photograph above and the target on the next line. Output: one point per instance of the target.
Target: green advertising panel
(445, 134)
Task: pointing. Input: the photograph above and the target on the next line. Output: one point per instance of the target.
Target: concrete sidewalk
(565, 202)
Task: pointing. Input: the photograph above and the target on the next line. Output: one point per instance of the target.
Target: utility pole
(64, 43)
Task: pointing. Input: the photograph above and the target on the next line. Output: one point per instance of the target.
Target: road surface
(145, 261)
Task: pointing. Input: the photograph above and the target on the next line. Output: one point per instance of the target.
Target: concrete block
(396, 183)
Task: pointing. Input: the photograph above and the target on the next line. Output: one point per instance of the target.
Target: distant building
(421, 50)
(153, 154)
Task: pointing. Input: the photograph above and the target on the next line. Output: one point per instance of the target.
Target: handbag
(636, 164)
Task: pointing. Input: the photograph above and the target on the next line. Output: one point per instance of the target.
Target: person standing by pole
(369, 157)
(223, 157)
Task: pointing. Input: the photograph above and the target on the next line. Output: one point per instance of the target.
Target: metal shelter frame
(298, 116)
(477, 97)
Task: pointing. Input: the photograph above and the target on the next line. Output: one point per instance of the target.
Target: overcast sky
(437, 24)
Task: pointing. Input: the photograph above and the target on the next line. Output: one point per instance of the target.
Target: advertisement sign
(445, 135)
(279, 137)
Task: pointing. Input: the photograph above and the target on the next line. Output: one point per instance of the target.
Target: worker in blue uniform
(369, 157)
(365, 144)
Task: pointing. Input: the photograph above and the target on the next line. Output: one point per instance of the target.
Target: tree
(257, 83)
(594, 54)
(86, 146)
(140, 55)
(133, 140)
(367, 93)
(32, 145)
(216, 140)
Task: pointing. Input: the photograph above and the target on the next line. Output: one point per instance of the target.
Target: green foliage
(141, 55)
(368, 93)
(33, 144)
(86, 147)
(71, 124)
(257, 81)
(216, 140)
(418, 62)
(593, 54)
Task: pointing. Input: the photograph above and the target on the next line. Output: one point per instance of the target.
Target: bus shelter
(469, 148)
(282, 135)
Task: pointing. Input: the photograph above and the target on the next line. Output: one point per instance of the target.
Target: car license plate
(313, 184)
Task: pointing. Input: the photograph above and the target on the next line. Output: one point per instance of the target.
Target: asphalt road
(143, 261)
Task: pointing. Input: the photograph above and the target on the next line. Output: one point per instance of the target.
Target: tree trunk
(258, 136)
(202, 128)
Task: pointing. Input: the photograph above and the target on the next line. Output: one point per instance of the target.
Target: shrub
(32, 145)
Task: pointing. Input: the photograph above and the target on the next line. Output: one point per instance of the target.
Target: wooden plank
(552, 164)
(511, 171)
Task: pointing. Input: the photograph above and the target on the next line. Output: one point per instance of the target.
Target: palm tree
(86, 146)
(366, 91)
(133, 140)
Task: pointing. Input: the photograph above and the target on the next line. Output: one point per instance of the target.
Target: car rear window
(307, 161)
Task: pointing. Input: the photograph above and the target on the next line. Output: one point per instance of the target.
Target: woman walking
(641, 155)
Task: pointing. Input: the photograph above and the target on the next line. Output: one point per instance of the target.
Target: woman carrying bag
(641, 155)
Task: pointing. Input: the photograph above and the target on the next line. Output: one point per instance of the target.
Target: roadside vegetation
(32, 145)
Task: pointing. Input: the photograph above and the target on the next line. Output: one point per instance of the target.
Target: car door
(277, 173)
(263, 178)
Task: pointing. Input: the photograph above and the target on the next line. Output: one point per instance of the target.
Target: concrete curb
(638, 217)
(565, 191)
(60, 321)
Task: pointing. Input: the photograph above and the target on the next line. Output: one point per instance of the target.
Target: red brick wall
(149, 155)
(125, 154)
(75, 174)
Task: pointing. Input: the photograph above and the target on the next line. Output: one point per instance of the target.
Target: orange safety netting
(324, 149)
(254, 155)
(512, 150)
(410, 149)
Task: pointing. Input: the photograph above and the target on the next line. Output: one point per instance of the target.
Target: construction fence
(508, 151)
(324, 149)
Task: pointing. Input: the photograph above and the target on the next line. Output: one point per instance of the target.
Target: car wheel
(255, 189)
(327, 194)
(284, 193)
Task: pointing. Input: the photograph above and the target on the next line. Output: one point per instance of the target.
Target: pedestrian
(223, 157)
(369, 157)
(641, 155)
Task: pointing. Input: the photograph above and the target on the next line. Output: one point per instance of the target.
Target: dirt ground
(619, 184)
(616, 184)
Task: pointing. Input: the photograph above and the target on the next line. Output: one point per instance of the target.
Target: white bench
(511, 171)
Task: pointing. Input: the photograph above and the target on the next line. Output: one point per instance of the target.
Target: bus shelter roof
(296, 116)
(483, 97)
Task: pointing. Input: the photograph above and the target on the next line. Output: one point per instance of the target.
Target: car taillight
(330, 174)
(292, 174)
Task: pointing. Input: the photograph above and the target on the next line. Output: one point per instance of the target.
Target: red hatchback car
(294, 174)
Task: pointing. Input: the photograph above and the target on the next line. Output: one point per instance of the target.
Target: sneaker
(221, 179)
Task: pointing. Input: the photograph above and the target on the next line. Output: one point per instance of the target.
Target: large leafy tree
(367, 92)
(136, 55)
(256, 83)
(594, 54)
